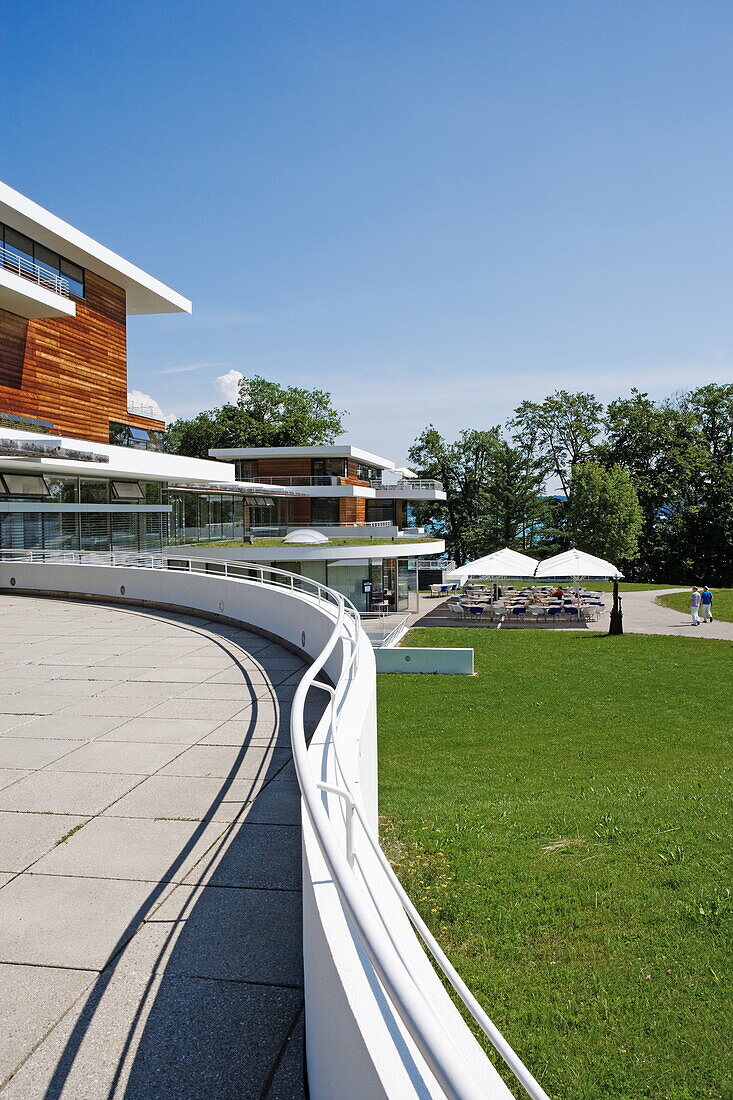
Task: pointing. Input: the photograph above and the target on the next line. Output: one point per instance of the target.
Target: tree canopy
(646, 484)
(265, 415)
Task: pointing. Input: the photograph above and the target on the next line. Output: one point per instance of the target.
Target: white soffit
(332, 450)
(144, 293)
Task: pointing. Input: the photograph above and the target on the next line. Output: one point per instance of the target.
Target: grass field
(722, 603)
(563, 822)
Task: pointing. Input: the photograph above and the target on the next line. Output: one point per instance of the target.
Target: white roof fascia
(334, 450)
(123, 462)
(303, 552)
(145, 294)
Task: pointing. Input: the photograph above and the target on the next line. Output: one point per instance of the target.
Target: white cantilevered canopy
(576, 564)
(502, 563)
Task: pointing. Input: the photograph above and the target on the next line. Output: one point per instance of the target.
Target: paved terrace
(150, 927)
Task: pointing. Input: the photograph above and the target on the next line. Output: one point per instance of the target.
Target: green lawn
(563, 821)
(722, 602)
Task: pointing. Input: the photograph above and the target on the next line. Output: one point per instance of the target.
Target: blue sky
(431, 209)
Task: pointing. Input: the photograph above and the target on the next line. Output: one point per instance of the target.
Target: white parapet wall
(426, 660)
(361, 1043)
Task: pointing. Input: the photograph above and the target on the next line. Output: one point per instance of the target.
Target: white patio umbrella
(577, 564)
(502, 563)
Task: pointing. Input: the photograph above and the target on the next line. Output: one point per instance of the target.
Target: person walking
(706, 605)
(695, 606)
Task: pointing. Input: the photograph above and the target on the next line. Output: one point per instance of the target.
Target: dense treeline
(647, 484)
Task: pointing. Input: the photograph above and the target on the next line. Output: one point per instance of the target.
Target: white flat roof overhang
(333, 450)
(302, 552)
(394, 492)
(145, 294)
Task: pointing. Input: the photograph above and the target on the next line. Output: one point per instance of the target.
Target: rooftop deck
(150, 871)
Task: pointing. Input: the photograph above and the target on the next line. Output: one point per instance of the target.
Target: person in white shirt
(695, 606)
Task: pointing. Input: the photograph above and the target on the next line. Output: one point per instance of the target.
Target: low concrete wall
(416, 659)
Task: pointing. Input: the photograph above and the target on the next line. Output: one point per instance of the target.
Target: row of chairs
(591, 612)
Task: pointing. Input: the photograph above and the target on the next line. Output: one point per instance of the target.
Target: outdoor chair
(554, 612)
(519, 611)
(571, 612)
(458, 609)
(477, 610)
(536, 610)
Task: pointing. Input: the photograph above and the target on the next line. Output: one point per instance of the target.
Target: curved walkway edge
(643, 615)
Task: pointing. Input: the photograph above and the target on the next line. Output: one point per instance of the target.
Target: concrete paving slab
(11, 775)
(65, 726)
(277, 804)
(241, 692)
(186, 799)
(290, 1075)
(260, 857)
(132, 848)
(32, 1000)
(68, 922)
(106, 706)
(202, 709)
(222, 762)
(24, 838)
(32, 752)
(84, 793)
(251, 674)
(30, 701)
(124, 757)
(11, 721)
(134, 689)
(183, 1039)
(232, 934)
(182, 731)
(191, 674)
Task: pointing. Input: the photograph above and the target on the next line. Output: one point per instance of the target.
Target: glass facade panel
(324, 510)
(93, 492)
(48, 261)
(63, 490)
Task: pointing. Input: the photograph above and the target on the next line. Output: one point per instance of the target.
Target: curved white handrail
(365, 910)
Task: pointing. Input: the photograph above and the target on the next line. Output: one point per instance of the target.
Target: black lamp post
(616, 625)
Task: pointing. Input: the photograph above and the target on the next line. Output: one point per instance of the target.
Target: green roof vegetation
(563, 820)
(304, 545)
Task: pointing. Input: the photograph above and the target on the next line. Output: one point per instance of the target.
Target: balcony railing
(42, 276)
(410, 484)
(296, 479)
(148, 411)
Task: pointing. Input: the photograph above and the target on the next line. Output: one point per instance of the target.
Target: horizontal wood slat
(70, 371)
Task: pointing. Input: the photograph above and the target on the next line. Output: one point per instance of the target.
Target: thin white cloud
(228, 384)
(145, 405)
(187, 368)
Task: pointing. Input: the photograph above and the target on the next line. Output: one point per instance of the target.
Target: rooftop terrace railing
(13, 261)
(350, 861)
(408, 484)
(297, 479)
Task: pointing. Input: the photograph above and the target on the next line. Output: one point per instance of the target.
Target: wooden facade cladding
(71, 371)
(352, 510)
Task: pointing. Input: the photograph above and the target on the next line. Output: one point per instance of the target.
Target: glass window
(151, 492)
(245, 469)
(46, 259)
(74, 275)
(126, 490)
(325, 510)
(19, 243)
(93, 492)
(25, 485)
(64, 490)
